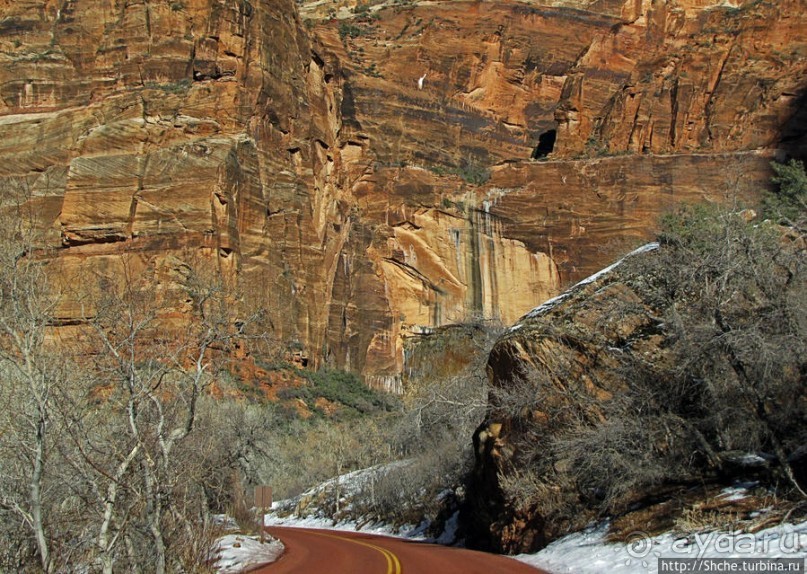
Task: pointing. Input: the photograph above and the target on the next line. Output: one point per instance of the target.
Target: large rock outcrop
(680, 366)
(565, 353)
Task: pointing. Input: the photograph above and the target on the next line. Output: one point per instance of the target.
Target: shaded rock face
(353, 201)
(577, 344)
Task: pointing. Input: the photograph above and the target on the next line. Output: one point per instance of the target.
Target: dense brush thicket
(724, 394)
(731, 397)
(427, 437)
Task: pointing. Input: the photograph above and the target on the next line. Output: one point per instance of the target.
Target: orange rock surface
(368, 175)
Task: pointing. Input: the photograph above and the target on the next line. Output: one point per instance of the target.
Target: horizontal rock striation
(365, 176)
(144, 130)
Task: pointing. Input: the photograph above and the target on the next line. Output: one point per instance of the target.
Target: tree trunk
(154, 516)
(36, 495)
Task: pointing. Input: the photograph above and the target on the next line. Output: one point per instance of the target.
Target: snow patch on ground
(235, 553)
(733, 493)
(588, 552)
(324, 523)
(279, 516)
(289, 513)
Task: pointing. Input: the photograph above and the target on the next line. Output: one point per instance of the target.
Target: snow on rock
(733, 494)
(356, 481)
(554, 301)
(588, 553)
(235, 553)
(317, 503)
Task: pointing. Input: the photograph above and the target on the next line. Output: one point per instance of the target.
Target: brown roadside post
(263, 500)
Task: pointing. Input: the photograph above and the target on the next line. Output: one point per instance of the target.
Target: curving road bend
(338, 552)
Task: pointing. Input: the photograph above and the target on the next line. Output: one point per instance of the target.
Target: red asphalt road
(310, 551)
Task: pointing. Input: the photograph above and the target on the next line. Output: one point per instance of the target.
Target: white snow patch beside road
(588, 553)
(234, 553)
(288, 513)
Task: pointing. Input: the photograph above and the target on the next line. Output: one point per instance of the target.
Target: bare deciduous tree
(97, 464)
(31, 369)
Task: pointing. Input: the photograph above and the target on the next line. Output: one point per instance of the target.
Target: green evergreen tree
(789, 202)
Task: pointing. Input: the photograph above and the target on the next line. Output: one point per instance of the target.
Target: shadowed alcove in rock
(546, 143)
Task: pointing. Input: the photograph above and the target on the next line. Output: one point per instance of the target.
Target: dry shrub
(727, 301)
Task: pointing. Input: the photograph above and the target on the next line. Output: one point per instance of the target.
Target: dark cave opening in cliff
(793, 137)
(546, 143)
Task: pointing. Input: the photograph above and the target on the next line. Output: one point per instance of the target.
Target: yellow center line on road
(393, 564)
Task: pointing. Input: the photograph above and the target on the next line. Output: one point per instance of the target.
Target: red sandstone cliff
(158, 128)
(310, 166)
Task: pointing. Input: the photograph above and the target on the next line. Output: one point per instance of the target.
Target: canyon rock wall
(685, 76)
(143, 130)
(611, 77)
(367, 176)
